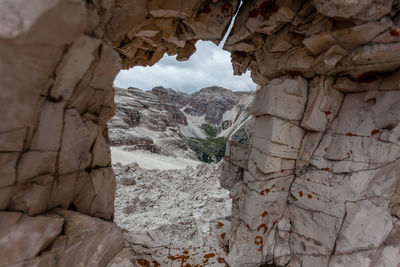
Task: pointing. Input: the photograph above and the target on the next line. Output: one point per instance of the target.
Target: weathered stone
(86, 240)
(22, 237)
(106, 69)
(358, 35)
(12, 140)
(306, 240)
(277, 137)
(269, 164)
(73, 66)
(33, 197)
(237, 153)
(35, 163)
(319, 43)
(123, 22)
(40, 20)
(64, 190)
(74, 138)
(328, 60)
(103, 181)
(360, 10)
(282, 97)
(8, 173)
(101, 152)
(48, 133)
(322, 106)
(5, 196)
(362, 217)
(122, 259)
(20, 100)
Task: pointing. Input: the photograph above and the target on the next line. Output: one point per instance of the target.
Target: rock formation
(174, 217)
(317, 187)
(175, 123)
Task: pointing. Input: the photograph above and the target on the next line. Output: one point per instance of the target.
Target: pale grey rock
(48, 133)
(101, 152)
(313, 232)
(81, 53)
(369, 217)
(103, 181)
(74, 138)
(269, 164)
(277, 137)
(322, 106)
(282, 97)
(86, 240)
(122, 259)
(22, 237)
(40, 20)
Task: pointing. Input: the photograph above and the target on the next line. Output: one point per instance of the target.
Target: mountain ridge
(174, 123)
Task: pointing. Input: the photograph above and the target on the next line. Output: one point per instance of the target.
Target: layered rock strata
(320, 187)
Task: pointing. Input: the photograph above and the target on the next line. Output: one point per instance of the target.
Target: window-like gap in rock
(168, 138)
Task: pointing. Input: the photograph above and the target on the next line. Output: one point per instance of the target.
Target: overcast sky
(210, 65)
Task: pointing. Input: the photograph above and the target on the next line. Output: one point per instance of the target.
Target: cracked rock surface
(319, 183)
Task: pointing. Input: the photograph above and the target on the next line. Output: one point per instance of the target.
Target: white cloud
(210, 65)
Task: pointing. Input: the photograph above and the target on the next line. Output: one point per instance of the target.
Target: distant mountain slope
(178, 124)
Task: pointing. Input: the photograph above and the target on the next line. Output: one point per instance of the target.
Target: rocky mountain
(178, 124)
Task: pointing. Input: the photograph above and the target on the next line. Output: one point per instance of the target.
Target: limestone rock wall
(319, 184)
(321, 178)
(58, 62)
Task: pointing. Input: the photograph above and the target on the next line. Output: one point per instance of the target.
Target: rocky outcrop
(164, 121)
(317, 186)
(212, 102)
(174, 217)
(321, 183)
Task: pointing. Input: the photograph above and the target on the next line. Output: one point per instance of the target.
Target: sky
(208, 66)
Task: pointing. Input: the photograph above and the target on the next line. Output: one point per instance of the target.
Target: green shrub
(208, 149)
(210, 130)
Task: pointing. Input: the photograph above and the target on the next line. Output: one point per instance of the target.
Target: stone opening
(167, 192)
(319, 184)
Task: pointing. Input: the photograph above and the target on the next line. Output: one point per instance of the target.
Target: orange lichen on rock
(263, 226)
(264, 214)
(309, 196)
(375, 131)
(301, 193)
(209, 255)
(223, 235)
(143, 262)
(220, 224)
(258, 241)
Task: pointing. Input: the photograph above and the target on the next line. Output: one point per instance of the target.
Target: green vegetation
(225, 124)
(210, 130)
(208, 149)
